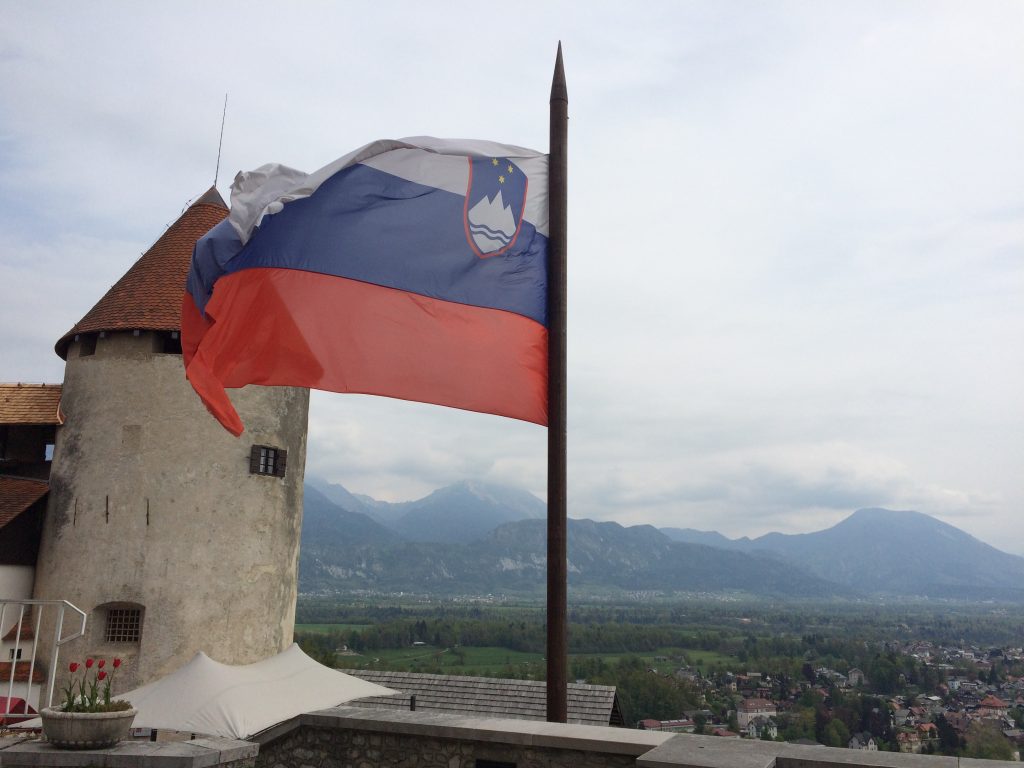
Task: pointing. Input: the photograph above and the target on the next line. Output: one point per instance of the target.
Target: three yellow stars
(511, 168)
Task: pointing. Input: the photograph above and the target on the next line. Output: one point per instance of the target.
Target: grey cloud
(794, 247)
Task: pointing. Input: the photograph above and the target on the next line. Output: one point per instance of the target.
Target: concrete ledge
(275, 732)
(201, 753)
(825, 757)
(527, 733)
(690, 751)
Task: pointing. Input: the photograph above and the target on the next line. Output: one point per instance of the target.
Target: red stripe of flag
(295, 328)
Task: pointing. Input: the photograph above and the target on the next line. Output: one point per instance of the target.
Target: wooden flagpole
(557, 621)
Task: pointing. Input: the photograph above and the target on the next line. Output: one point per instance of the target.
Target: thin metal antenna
(220, 143)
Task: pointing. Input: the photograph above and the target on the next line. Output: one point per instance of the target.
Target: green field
(448, 661)
(702, 659)
(494, 661)
(323, 629)
(706, 659)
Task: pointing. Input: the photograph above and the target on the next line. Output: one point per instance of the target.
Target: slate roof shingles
(523, 699)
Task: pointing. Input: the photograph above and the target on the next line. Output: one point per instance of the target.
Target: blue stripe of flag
(368, 225)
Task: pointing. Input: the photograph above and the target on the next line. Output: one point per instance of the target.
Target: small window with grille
(266, 460)
(124, 625)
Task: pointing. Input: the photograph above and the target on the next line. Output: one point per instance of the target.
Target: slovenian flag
(414, 269)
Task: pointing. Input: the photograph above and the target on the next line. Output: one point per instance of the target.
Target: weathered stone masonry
(333, 748)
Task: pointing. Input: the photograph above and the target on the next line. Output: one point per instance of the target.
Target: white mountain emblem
(491, 224)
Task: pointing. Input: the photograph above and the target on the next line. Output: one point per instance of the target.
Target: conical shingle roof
(149, 295)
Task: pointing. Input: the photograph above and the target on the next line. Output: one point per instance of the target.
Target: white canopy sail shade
(207, 697)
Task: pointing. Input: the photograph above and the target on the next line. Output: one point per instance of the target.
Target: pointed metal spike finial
(559, 92)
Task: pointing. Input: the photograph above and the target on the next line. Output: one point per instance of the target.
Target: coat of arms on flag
(494, 204)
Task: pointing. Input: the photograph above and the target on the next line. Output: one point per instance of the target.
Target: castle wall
(153, 512)
(15, 584)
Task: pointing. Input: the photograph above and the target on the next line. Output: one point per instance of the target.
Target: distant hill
(455, 514)
(333, 538)
(882, 551)
(345, 551)
(467, 511)
(339, 495)
(641, 558)
(474, 537)
(326, 524)
(693, 536)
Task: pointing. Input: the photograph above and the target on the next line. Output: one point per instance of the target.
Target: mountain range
(475, 538)
(455, 514)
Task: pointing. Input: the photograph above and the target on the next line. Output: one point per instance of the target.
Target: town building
(754, 707)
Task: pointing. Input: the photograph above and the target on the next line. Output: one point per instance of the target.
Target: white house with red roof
(992, 706)
(755, 707)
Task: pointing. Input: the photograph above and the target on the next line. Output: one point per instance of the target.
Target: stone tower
(173, 535)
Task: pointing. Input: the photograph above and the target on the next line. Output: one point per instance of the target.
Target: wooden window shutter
(282, 462)
(254, 460)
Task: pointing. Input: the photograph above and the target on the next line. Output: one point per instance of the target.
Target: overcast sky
(796, 240)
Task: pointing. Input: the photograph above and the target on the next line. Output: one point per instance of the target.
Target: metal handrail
(61, 607)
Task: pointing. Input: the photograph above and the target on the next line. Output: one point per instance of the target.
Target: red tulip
(73, 666)
(117, 663)
(100, 675)
(100, 663)
(88, 663)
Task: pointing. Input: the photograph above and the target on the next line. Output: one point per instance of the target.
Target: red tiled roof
(993, 702)
(18, 494)
(755, 705)
(26, 628)
(20, 672)
(149, 295)
(30, 404)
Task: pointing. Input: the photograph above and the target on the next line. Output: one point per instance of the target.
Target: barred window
(124, 625)
(267, 460)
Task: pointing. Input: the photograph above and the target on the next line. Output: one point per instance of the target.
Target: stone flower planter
(85, 730)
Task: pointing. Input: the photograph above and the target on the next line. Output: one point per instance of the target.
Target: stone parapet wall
(366, 738)
(333, 748)
(351, 737)
(198, 753)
